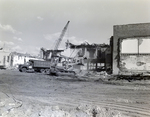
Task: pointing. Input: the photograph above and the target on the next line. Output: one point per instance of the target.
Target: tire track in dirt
(74, 94)
(126, 109)
(74, 99)
(130, 109)
(123, 108)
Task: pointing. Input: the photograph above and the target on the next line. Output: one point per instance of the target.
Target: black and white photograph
(74, 58)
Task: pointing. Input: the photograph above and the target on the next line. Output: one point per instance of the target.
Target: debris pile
(92, 75)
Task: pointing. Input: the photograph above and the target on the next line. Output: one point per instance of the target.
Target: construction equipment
(60, 39)
(61, 36)
(35, 65)
(54, 53)
(46, 66)
(55, 59)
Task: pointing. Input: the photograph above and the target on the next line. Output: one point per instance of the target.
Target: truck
(46, 66)
(35, 65)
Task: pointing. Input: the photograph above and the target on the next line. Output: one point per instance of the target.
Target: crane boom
(61, 36)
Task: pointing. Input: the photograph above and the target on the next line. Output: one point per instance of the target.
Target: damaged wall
(92, 58)
(131, 50)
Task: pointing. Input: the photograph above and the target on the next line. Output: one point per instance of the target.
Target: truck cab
(26, 67)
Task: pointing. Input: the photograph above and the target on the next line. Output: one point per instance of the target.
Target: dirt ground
(39, 95)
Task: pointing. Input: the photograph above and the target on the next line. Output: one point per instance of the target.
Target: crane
(59, 40)
(54, 53)
(61, 36)
(55, 59)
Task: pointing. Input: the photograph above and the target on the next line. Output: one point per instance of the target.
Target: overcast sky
(28, 25)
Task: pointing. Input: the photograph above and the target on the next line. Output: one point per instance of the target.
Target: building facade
(13, 59)
(131, 50)
(4, 59)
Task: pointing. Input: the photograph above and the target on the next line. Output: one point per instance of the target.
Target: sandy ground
(39, 95)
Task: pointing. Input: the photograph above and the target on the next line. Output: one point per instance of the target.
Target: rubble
(92, 75)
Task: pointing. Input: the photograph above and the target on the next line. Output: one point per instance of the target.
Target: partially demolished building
(47, 54)
(130, 49)
(127, 54)
(90, 56)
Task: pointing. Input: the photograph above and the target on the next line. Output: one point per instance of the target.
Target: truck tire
(20, 70)
(73, 72)
(24, 69)
(42, 71)
(47, 71)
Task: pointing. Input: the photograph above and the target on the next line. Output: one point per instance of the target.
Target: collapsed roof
(86, 45)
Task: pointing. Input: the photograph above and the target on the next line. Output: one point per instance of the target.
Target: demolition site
(95, 80)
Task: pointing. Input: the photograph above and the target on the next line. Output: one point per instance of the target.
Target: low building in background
(13, 59)
(4, 59)
(20, 58)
